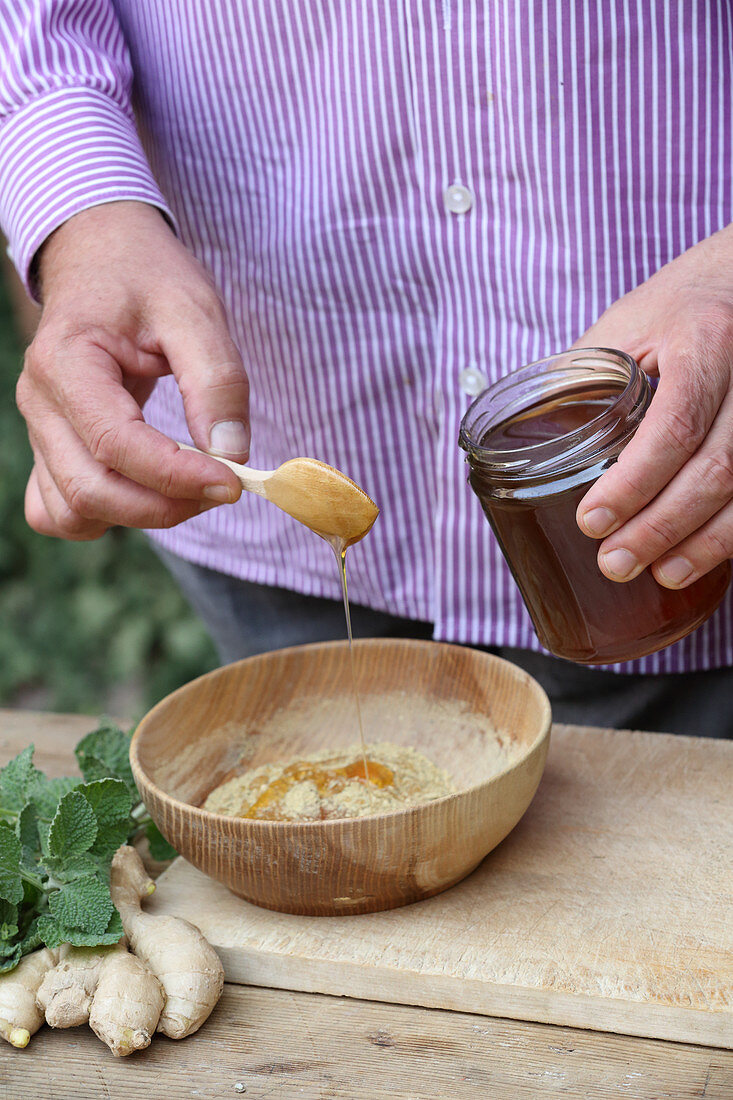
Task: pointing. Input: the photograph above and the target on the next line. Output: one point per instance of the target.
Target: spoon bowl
(317, 495)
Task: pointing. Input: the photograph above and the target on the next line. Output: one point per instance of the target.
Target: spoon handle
(253, 481)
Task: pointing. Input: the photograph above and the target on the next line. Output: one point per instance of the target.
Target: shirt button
(472, 381)
(457, 199)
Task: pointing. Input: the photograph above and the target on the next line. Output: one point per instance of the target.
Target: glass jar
(536, 441)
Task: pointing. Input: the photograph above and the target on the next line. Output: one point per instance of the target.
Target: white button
(457, 199)
(472, 381)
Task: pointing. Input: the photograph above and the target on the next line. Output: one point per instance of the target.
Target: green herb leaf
(53, 933)
(32, 938)
(57, 839)
(8, 926)
(105, 753)
(50, 931)
(12, 960)
(160, 849)
(74, 827)
(15, 780)
(44, 828)
(33, 896)
(45, 794)
(114, 929)
(11, 883)
(110, 800)
(67, 870)
(111, 803)
(26, 829)
(84, 903)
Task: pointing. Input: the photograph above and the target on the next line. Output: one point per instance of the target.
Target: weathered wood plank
(54, 736)
(281, 1045)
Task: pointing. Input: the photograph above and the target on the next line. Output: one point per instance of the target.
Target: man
(371, 211)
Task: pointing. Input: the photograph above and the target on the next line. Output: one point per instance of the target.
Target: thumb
(212, 380)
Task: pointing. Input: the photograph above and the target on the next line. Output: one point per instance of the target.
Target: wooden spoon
(315, 494)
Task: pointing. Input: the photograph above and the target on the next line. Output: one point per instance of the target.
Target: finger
(697, 555)
(92, 492)
(698, 492)
(47, 513)
(679, 416)
(212, 379)
(109, 422)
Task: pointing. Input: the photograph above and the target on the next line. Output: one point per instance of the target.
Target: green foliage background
(96, 627)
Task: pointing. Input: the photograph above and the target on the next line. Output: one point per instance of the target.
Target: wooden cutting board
(610, 906)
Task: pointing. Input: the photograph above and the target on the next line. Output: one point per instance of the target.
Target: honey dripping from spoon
(328, 779)
(339, 548)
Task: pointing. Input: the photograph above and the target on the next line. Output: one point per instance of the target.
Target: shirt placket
(450, 106)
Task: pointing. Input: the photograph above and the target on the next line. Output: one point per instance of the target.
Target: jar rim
(507, 398)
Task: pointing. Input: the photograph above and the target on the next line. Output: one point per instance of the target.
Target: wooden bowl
(438, 698)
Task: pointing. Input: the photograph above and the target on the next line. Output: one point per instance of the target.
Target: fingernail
(222, 494)
(599, 522)
(620, 564)
(229, 437)
(675, 570)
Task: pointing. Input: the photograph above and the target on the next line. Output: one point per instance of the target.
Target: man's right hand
(125, 303)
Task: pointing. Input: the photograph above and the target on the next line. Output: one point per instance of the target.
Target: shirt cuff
(66, 151)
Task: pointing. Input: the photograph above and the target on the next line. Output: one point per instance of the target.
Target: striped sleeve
(68, 139)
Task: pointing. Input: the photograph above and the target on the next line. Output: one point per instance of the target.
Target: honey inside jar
(536, 442)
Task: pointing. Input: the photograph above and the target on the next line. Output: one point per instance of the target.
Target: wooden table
(271, 1043)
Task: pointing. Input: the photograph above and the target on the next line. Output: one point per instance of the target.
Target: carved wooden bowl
(439, 698)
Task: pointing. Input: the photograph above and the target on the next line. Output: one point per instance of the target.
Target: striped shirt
(399, 202)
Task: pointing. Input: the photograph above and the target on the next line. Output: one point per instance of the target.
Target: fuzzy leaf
(15, 780)
(159, 847)
(114, 929)
(12, 960)
(11, 884)
(32, 898)
(26, 829)
(44, 828)
(110, 800)
(47, 793)
(84, 904)
(53, 934)
(50, 931)
(109, 839)
(74, 827)
(105, 753)
(32, 938)
(81, 866)
(8, 926)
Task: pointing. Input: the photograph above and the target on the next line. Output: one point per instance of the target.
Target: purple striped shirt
(305, 152)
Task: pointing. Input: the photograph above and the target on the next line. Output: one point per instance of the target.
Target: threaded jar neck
(547, 384)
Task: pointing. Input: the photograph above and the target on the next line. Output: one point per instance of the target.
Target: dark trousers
(245, 618)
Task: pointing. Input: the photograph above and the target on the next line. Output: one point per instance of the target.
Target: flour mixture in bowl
(333, 784)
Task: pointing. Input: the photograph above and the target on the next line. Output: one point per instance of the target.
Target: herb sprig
(57, 839)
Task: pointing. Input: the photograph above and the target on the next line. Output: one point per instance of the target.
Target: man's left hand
(668, 500)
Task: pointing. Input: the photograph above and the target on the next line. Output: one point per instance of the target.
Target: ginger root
(19, 1015)
(186, 965)
(170, 980)
(108, 987)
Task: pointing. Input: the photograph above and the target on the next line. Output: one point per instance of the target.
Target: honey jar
(536, 441)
